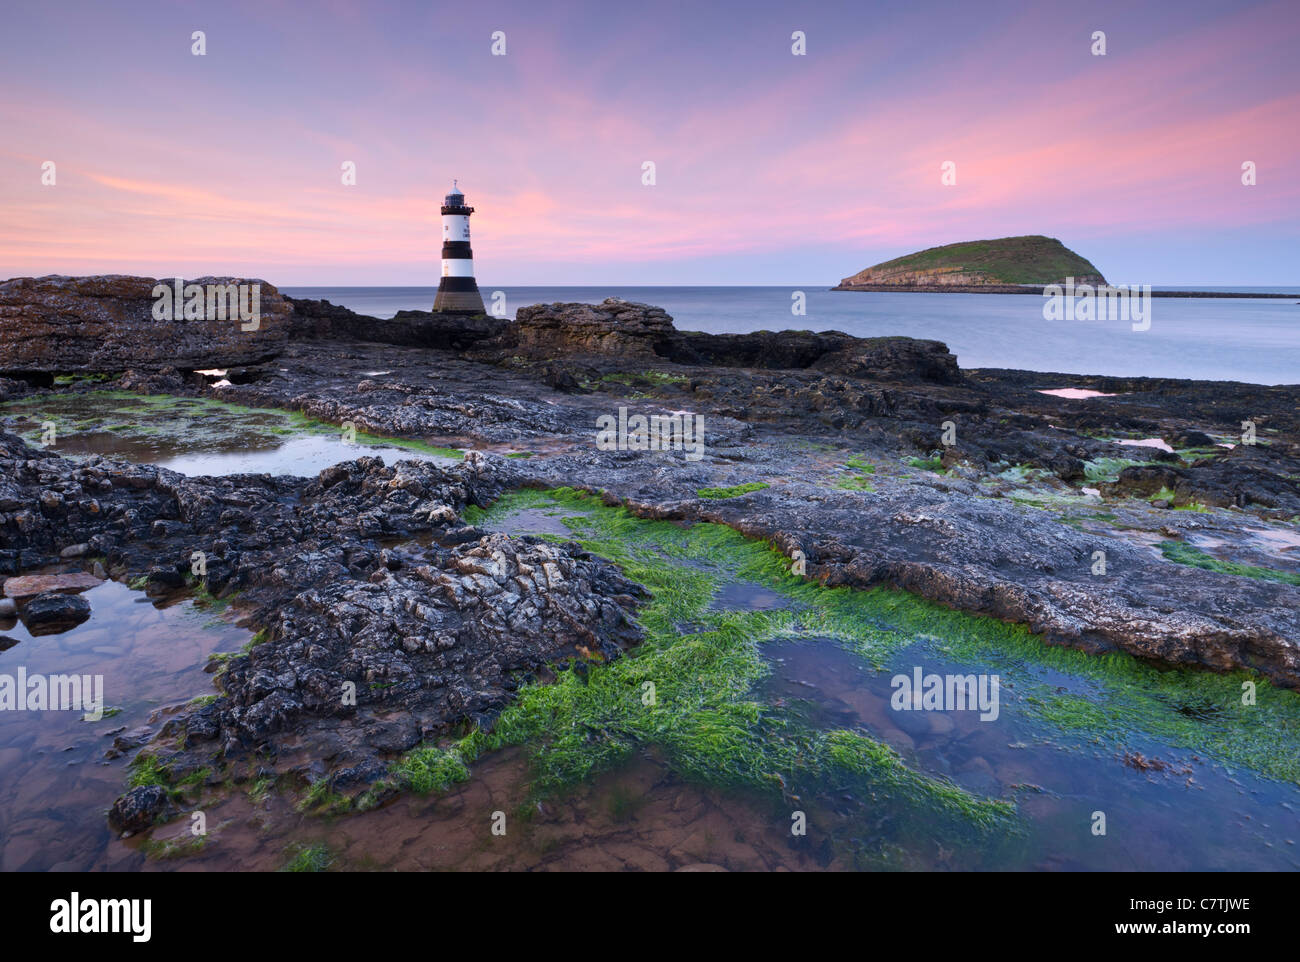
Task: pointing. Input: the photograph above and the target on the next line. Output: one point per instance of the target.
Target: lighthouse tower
(457, 291)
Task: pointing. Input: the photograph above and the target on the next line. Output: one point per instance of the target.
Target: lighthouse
(457, 291)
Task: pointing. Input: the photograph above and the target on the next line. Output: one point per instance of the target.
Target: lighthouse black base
(458, 295)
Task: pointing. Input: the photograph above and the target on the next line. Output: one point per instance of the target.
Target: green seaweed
(307, 858)
(855, 482)
(702, 677)
(1106, 469)
(321, 799)
(1183, 553)
(735, 491)
(430, 769)
(651, 377)
(188, 417)
(146, 770)
(171, 848)
(687, 697)
(926, 464)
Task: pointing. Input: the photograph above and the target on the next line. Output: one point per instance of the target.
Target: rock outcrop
(832, 352)
(430, 637)
(107, 324)
(613, 326)
(618, 329)
(321, 319)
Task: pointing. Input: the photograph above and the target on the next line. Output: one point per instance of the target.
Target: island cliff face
(1008, 263)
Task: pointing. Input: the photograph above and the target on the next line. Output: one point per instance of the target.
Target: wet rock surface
(53, 612)
(441, 638)
(614, 327)
(103, 324)
(321, 319)
(385, 646)
(138, 809)
(437, 634)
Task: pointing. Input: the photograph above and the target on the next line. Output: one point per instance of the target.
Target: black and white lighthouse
(457, 291)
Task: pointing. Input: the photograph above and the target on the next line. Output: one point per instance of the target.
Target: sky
(769, 167)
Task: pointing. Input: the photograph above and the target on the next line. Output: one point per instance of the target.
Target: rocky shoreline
(368, 579)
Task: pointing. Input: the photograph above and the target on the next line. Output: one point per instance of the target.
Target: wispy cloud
(231, 162)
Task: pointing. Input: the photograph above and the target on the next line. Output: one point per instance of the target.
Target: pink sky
(771, 168)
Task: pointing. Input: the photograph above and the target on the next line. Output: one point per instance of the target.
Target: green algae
(686, 694)
(408, 444)
(307, 858)
(430, 769)
(146, 770)
(926, 464)
(192, 419)
(260, 789)
(163, 850)
(1122, 701)
(859, 478)
(1106, 469)
(1184, 554)
(662, 378)
(321, 799)
(700, 678)
(1022, 473)
(735, 491)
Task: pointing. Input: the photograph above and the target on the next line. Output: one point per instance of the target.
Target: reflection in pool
(55, 780)
(199, 436)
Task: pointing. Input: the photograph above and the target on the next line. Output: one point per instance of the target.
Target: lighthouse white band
(455, 227)
(461, 267)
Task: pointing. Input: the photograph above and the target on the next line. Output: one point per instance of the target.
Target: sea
(1221, 339)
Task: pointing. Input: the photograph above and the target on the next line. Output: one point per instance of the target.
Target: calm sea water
(1230, 339)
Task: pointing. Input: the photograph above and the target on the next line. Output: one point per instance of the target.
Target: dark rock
(138, 809)
(163, 577)
(627, 330)
(54, 612)
(1190, 439)
(438, 632)
(168, 380)
(1143, 480)
(11, 388)
(321, 319)
(612, 327)
(106, 324)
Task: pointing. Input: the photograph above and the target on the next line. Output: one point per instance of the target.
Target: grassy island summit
(1032, 260)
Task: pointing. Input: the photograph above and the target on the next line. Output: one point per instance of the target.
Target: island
(1005, 265)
